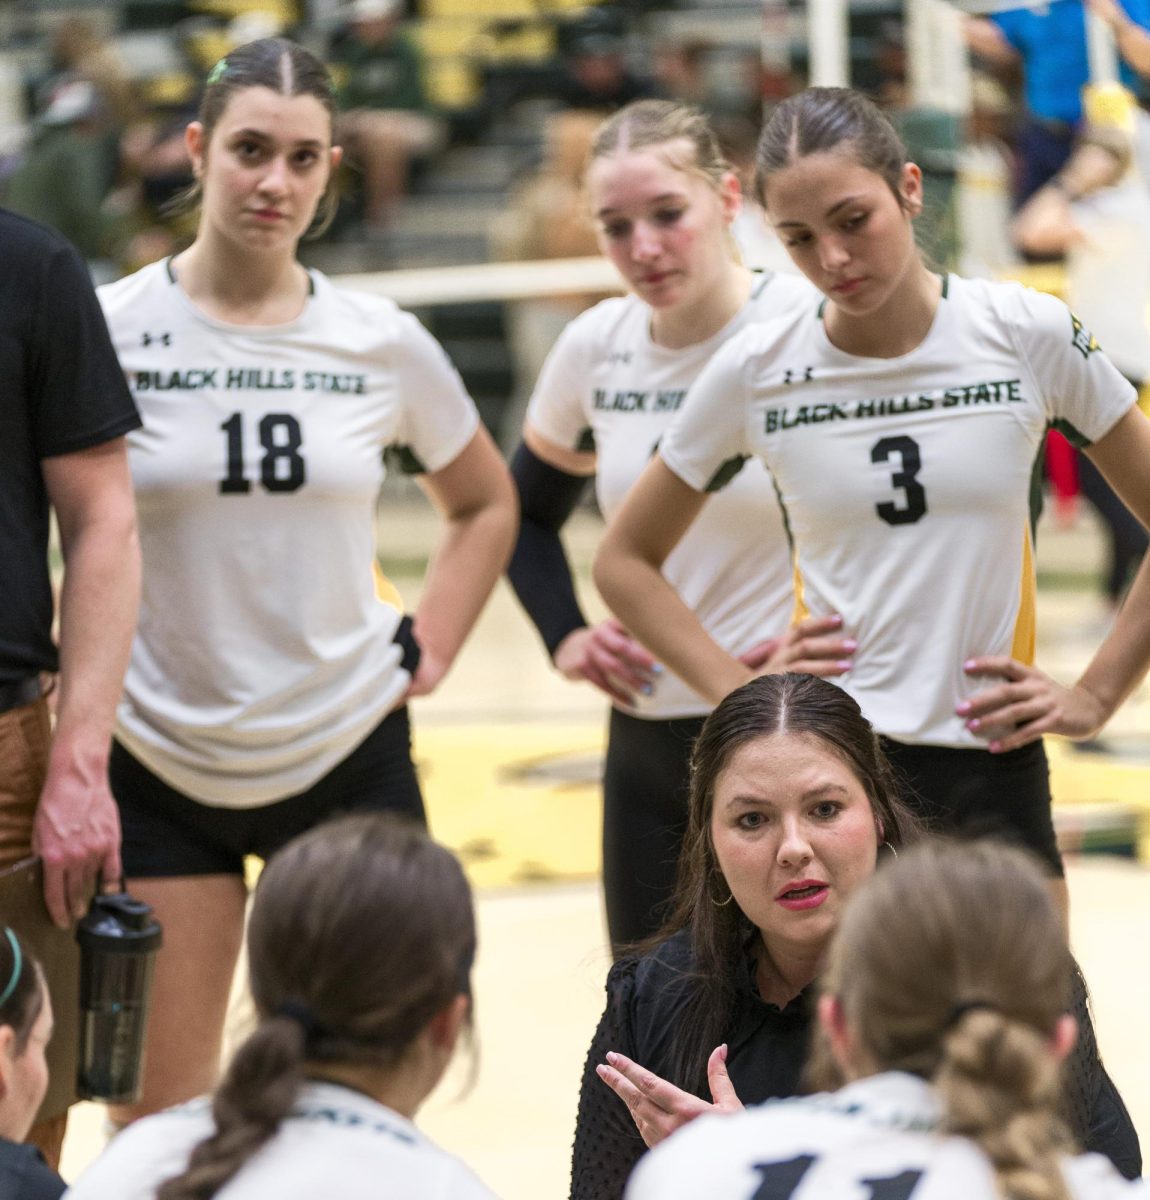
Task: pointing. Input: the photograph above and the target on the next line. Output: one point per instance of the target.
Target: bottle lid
(119, 924)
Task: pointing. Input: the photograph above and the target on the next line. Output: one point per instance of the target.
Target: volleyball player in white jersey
(944, 1013)
(267, 685)
(360, 947)
(663, 200)
(900, 418)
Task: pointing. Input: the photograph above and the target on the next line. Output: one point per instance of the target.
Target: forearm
(98, 607)
(541, 578)
(1133, 44)
(472, 554)
(639, 595)
(539, 571)
(1123, 659)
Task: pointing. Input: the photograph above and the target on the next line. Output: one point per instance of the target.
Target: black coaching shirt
(61, 390)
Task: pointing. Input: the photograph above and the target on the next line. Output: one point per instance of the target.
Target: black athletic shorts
(973, 793)
(166, 833)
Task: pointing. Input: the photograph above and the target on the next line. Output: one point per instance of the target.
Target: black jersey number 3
(282, 468)
(905, 450)
(780, 1180)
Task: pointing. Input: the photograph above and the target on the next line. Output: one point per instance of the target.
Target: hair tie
(217, 72)
(297, 1011)
(17, 966)
(960, 1010)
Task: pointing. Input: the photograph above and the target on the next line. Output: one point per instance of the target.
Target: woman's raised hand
(657, 1107)
(610, 658)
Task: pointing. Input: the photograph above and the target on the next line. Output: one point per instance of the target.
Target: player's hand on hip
(76, 833)
(608, 657)
(814, 646)
(1024, 703)
(428, 675)
(657, 1107)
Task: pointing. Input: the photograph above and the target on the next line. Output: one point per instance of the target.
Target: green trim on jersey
(404, 460)
(726, 472)
(1077, 439)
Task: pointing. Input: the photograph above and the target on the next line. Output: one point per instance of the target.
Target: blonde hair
(952, 965)
(647, 123)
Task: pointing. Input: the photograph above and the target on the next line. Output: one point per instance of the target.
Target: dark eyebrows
(606, 212)
(834, 208)
(258, 135)
(822, 791)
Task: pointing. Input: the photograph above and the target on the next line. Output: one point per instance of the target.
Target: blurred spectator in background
(681, 71)
(1096, 212)
(596, 75)
(1049, 42)
(547, 216)
(387, 120)
(79, 52)
(62, 179)
(985, 174)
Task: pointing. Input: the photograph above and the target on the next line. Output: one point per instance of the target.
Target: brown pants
(24, 736)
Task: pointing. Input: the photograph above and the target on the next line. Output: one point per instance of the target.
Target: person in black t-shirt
(64, 409)
(25, 1030)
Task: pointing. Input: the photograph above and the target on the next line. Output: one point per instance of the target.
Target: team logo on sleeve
(1083, 340)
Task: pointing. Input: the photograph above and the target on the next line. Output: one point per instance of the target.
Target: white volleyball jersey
(875, 1139)
(262, 656)
(905, 482)
(607, 386)
(335, 1143)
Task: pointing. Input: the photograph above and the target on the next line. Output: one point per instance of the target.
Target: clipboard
(22, 907)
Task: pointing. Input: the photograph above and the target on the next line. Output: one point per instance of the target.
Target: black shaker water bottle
(118, 942)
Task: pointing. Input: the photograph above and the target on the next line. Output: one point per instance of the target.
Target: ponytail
(1000, 1087)
(952, 965)
(360, 932)
(256, 1094)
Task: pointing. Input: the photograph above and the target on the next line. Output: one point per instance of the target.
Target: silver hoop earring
(893, 851)
(721, 903)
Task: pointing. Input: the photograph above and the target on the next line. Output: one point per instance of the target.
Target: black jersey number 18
(779, 1181)
(909, 461)
(282, 468)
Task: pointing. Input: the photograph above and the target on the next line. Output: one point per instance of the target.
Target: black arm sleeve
(539, 571)
(607, 1144)
(1098, 1117)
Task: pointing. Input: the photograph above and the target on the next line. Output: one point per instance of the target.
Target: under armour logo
(165, 339)
(798, 377)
